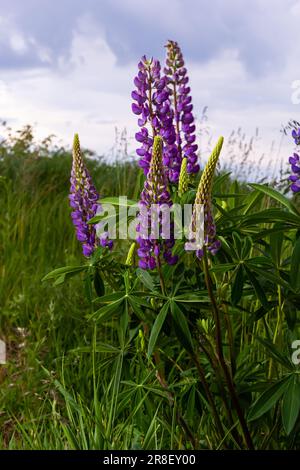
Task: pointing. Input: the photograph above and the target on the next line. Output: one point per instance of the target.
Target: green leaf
(276, 240)
(275, 353)
(237, 288)
(270, 216)
(57, 273)
(295, 267)
(137, 309)
(277, 196)
(181, 327)
(291, 404)
(247, 245)
(276, 279)
(268, 399)
(107, 311)
(221, 268)
(110, 297)
(258, 288)
(157, 326)
(237, 243)
(261, 311)
(192, 298)
(117, 202)
(252, 199)
(145, 278)
(99, 284)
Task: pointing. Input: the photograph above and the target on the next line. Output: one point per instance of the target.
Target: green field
(72, 381)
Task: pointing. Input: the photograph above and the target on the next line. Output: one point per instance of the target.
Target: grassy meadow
(72, 381)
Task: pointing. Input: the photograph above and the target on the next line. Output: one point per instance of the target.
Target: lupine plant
(190, 349)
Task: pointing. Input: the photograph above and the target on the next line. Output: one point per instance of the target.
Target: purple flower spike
(154, 204)
(149, 97)
(83, 200)
(184, 119)
(294, 161)
(156, 117)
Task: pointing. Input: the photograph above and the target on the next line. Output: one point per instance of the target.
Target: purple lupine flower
(295, 176)
(181, 103)
(84, 202)
(155, 198)
(156, 116)
(147, 83)
(296, 136)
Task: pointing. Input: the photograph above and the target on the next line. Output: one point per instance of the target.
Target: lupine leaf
(157, 326)
(291, 404)
(277, 196)
(268, 399)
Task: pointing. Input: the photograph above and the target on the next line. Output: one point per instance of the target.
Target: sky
(68, 66)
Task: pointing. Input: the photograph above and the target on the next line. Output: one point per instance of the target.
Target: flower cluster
(154, 198)
(83, 200)
(295, 164)
(181, 99)
(204, 198)
(163, 104)
(153, 108)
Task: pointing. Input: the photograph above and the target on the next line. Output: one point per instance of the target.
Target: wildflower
(83, 200)
(155, 198)
(156, 116)
(295, 177)
(296, 136)
(181, 99)
(203, 197)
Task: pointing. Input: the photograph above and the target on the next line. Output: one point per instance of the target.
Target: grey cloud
(261, 30)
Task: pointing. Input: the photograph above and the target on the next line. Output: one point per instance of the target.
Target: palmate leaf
(268, 399)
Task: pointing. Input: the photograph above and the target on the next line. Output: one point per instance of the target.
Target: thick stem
(219, 346)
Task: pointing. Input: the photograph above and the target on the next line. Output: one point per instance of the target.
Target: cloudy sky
(68, 65)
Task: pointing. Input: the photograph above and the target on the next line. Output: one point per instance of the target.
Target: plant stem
(209, 395)
(213, 362)
(220, 354)
(161, 278)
